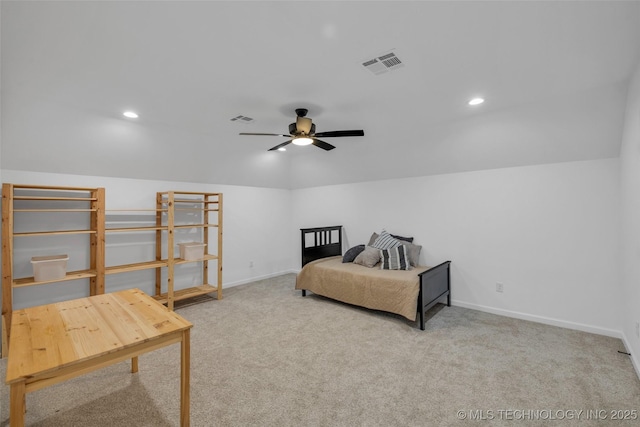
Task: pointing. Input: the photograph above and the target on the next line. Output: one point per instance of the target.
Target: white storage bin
(192, 250)
(49, 267)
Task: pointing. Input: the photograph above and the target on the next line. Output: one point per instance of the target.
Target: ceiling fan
(303, 132)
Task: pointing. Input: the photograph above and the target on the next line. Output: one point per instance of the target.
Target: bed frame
(323, 242)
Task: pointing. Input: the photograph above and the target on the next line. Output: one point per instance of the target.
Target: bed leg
(449, 299)
(304, 293)
(422, 318)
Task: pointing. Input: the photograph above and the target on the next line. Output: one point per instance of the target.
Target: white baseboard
(256, 278)
(541, 319)
(633, 356)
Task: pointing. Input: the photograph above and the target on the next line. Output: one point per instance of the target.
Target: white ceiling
(554, 75)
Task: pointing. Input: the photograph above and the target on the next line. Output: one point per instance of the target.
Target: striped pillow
(386, 241)
(395, 259)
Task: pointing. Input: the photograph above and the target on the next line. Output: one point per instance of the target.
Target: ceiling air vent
(242, 119)
(383, 63)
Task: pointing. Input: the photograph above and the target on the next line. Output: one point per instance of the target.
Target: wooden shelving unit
(207, 208)
(19, 199)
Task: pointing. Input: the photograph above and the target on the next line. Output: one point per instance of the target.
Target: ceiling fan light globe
(302, 141)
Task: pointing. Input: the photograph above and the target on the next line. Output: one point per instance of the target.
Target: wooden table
(53, 343)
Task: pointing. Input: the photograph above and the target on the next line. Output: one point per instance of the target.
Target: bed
(409, 293)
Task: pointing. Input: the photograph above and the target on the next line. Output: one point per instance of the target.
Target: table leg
(18, 404)
(185, 357)
(134, 365)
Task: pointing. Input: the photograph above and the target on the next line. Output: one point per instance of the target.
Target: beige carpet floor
(265, 356)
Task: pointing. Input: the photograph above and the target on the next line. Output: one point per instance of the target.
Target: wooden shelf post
(7, 264)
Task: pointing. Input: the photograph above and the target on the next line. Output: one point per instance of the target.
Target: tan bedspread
(387, 290)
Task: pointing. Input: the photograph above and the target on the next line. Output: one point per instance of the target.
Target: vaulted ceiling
(554, 76)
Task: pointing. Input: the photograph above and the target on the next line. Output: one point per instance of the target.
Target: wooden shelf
(53, 233)
(195, 226)
(188, 201)
(182, 294)
(194, 201)
(49, 198)
(190, 193)
(208, 202)
(54, 210)
(124, 268)
(205, 258)
(136, 210)
(71, 275)
(51, 187)
(134, 229)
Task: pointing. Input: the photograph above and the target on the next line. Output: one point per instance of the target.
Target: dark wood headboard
(320, 242)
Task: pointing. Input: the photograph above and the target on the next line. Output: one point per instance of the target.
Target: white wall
(629, 301)
(257, 227)
(549, 233)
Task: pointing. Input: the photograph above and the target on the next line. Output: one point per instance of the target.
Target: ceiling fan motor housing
(293, 129)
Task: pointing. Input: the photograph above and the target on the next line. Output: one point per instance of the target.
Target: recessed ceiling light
(282, 149)
(130, 114)
(476, 101)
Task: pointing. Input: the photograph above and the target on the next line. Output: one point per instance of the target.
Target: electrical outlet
(250, 264)
(499, 287)
(638, 329)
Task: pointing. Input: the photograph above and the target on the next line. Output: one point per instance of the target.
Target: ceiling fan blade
(337, 133)
(303, 124)
(265, 134)
(280, 145)
(322, 144)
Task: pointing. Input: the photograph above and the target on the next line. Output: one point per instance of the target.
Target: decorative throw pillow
(413, 252)
(369, 257)
(372, 239)
(395, 258)
(374, 236)
(385, 241)
(352, 253)
(406, 239)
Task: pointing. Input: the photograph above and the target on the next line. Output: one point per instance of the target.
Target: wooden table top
(48, 337)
